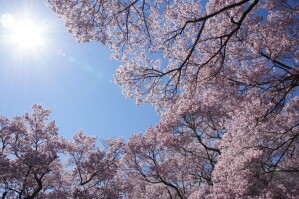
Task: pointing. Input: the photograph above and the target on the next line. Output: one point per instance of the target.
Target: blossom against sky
(49, 67)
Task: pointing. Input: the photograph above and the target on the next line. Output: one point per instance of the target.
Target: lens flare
(7, 20)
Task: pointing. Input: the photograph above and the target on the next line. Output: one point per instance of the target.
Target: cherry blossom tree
(90, 170)
(174, 162)
(29, 154)
(224, 77)
(170, 47)
(32, 167)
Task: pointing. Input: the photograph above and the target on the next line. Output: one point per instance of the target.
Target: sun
(26, 34)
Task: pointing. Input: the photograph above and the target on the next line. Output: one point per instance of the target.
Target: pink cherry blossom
(223, 75)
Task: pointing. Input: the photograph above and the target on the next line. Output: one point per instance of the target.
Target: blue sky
(74, 80)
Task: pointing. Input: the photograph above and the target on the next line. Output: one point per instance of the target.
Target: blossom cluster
(223, 75)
